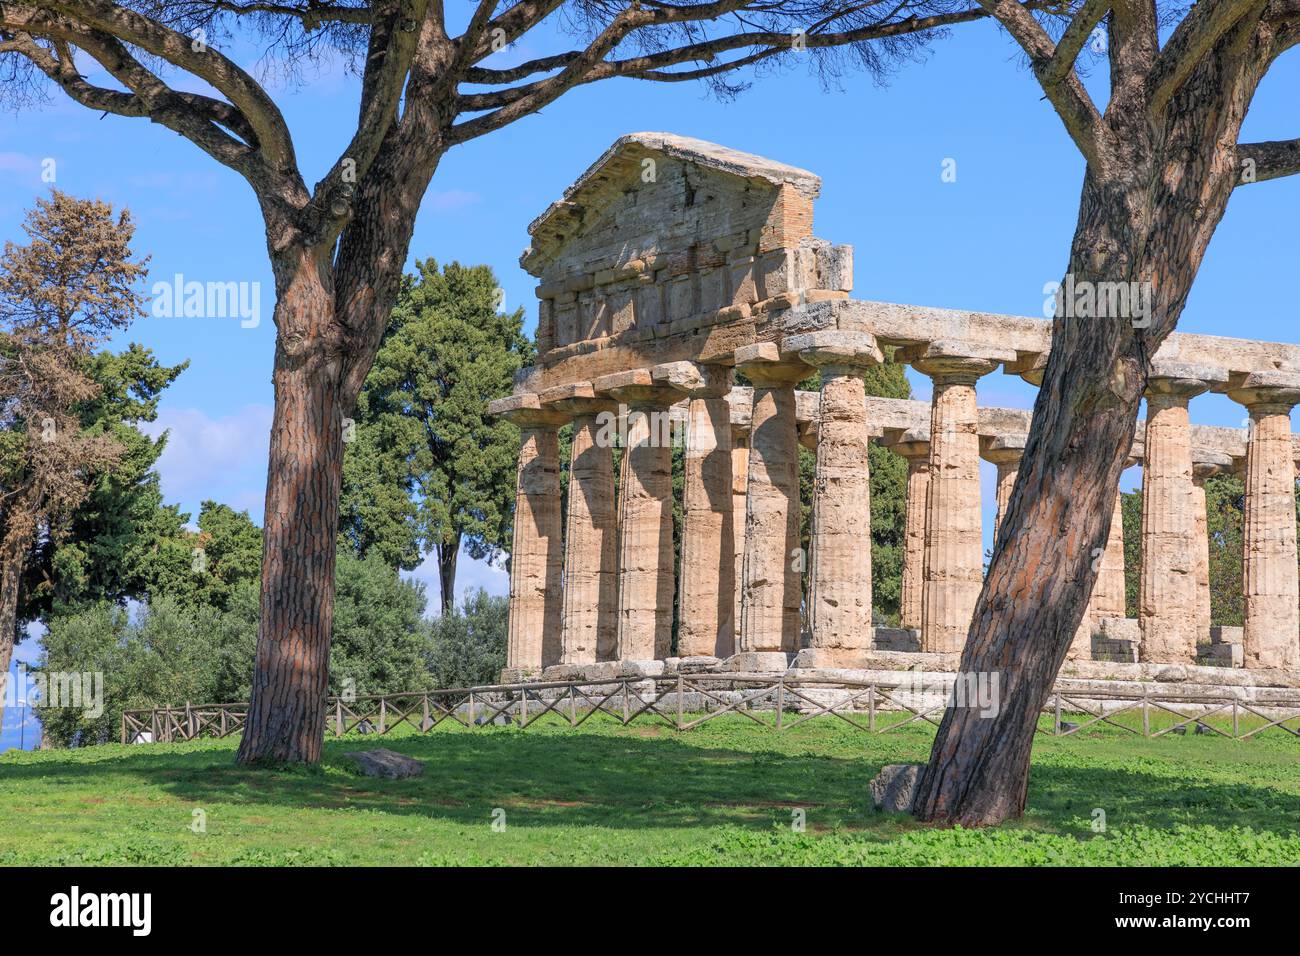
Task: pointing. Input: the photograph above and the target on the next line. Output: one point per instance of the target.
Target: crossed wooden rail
(666, 698)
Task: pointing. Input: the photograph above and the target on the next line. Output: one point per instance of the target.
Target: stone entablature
(709, 267)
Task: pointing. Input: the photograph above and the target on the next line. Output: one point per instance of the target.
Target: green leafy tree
(467, 646)
(122, 540)
(163, 654)
(224, 553)
(62, 294)
(379, 629)
(178, 649)
(428, 470)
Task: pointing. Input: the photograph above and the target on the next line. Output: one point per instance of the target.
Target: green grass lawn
(725, 793)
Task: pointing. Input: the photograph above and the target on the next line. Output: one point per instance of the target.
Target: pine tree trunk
(447, 555)
(1147, 219)
(286, 712)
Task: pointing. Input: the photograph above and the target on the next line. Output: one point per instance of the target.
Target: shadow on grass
(574, 779)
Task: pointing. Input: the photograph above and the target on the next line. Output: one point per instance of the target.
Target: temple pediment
(666, 235)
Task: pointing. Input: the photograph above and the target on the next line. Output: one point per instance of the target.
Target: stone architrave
(533, 639)
(645, 524)
(954, 551)
(839, 586)
(589, 629)
(1167, 606)
(1272, 632)
(772, 570)
(706, 591)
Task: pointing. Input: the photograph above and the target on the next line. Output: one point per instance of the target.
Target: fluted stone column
(1206, 465)
(954, 552)
(1167, 609)
(1107, 599)
(739, 485)
(706, 597)
(590, 607)
(914, 446)
(771, 570)
(839, 588)
(1272, 632)
(533, 639)
(1004, 451)
(645, 522)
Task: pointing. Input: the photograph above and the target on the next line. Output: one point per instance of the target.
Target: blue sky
(988, 241)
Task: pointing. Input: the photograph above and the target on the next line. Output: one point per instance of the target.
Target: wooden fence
(685, 701)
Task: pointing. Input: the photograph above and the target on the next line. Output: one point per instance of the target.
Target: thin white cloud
(449, 200)
(201, 448)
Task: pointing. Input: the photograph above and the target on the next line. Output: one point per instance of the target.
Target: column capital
(1031, 368)
(1179, 382)
(769, 367)
(576, 398)
(1276, 387)
(1003, 449)
(637, 388)
(527, 411)
(955, 361)
(912, 444)
(694, 379)
(837, 350)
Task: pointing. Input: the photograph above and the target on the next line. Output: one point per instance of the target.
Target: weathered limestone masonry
(916, 450)
(772, 569)
(536, 561)
(590, 587)
(1272, 596)
(954, 539)
(673, 264)
(1168, 588)
(839, 588)
(708, 564)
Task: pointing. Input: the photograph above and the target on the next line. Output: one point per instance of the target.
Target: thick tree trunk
(1146, 220)
(286, 713)
(330, 325)
(447, 555)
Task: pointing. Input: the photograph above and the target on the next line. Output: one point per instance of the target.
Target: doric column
(1272, 633)
(533, 640)
(954, 552)
(771, 586)
(839, 587)
(739, 400)
(1004, 451)
(706, 592)
(1107, 599)
(915, 447)
(645, 522)
(1167, 609)
(589, 628)
(1205, 465)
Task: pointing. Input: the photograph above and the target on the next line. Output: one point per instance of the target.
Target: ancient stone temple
(672, 268)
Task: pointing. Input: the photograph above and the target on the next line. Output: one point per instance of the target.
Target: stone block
(758, 662)
(897, 639)
(835, 268)
(893, 790)
(1224, 634)
(385, 763)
